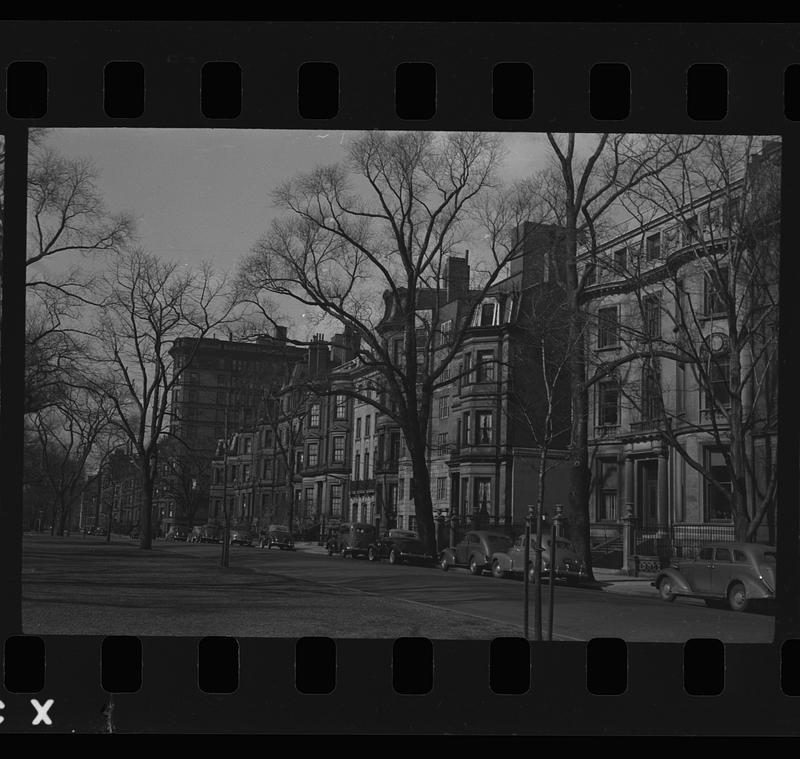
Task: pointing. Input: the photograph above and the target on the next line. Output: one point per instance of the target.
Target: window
(298, 461)
(444, 407)
(607, 489)
(412, 522)
(266, 472)
(716, 285)
(441, 488)
(366, 466)
(465, 369)
(651, 394)
(313, 454)
(680, 388)
(718, 499)
(367, 428)
(401, 489)
(484, 428)
(484, 368)
(217, 476)
(248, 445)
(591, 274)
(309, 500)
(357, 467)
(718, 373)
(245, 472)
(394, 450)
(336, 501)
(341, 407)
(441, 443)
(358, 428)
(313, 416)
(338, 449)
(608, 327)
(487, 314)
(483, 491)
(651, 316)
(608, 406)
(723, 554)
(466, 428)
(691, 230)
(446, 332)
(653, 246)
(620, 259)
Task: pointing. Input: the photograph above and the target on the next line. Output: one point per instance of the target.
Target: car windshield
(499, 542)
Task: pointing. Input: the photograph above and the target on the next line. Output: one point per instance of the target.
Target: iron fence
(687, 539)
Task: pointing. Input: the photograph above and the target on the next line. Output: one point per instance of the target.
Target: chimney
(280, 333)
(317, 356)
(456, 277)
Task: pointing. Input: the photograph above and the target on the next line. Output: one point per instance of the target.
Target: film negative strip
(102, 637)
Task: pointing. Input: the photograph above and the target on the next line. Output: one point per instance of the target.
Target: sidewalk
(607, 580)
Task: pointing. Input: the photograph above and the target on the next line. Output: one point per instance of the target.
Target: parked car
(512, 562)
(475, 551)
(738, 573)
(400, 546)
(176, 534)
(277, 538)
(352, 539)
(205, 533)
(241, 537)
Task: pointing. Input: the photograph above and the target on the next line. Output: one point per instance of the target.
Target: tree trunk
(146, 520)
(423, 503)
(62, 520)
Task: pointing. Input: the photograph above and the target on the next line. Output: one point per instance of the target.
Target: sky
(203, 194)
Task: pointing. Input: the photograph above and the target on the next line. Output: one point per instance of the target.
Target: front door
(648, 495)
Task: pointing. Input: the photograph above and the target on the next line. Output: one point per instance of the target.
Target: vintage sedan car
(738, 573)
(475, 551)
(569, 567)
(177, 534)
(241, 537)
(400, 546)
(205, 534)
(278, 539)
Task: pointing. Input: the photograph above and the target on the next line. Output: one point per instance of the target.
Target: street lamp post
(553, 536)
(526, 574)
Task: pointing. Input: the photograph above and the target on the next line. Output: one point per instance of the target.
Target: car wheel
(393, 557)
(737, 597)
(444, 564)
(371, 555)
(497, 570)
(665, 590)
(474, 567)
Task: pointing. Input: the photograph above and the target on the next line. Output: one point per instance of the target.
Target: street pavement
(83, 586)
(607, 580)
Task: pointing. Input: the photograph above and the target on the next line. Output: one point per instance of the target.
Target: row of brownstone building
(668, 289)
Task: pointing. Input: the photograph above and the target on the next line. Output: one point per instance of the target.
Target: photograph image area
(382, 384)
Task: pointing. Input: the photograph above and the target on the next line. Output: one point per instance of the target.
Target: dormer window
(487, 314)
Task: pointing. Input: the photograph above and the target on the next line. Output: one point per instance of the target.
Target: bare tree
(720, 305)
(147, 305)
(69, 433)
(67, 218)
(582, 190)
(371, 239)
